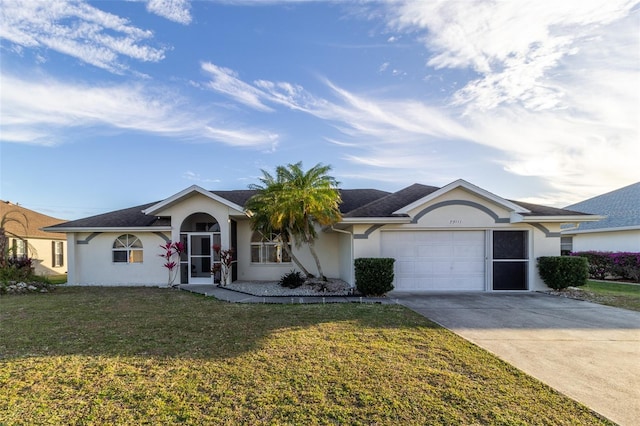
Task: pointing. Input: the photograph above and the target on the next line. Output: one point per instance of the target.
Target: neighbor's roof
(621, 208)
(356, 203)
(31, 227)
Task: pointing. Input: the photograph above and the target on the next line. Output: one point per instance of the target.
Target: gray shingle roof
(622, 208)
(365, 203)
(131, 217)
(538, 210)
(388, 204)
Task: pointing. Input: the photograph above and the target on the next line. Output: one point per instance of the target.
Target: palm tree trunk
(287, 248)
(3, 248)
(309, 239)
(315, 257)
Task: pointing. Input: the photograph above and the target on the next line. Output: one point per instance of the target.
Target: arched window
(268, 249)
(127, 248)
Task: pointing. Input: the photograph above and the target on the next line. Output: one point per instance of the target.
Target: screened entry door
(510, 260)
(200, 252)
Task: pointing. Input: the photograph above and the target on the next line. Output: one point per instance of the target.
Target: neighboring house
(47, 250)
(456, 238)
(618, 231)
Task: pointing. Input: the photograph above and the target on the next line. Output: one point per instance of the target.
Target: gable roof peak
(461, 183)
(185, 193)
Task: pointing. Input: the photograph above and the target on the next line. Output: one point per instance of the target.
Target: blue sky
(110, 104)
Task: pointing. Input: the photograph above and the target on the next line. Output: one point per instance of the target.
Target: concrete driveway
(587, 351)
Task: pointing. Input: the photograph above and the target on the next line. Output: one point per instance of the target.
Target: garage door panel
(405, 268)
(437, 260)
(423, 268)
(468, 267)
(435, 251)
(474, 251)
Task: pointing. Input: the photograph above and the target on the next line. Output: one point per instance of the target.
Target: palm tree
(262, 206)
(9, 217)
(296, 201)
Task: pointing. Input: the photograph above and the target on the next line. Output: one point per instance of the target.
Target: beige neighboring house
(48, 250)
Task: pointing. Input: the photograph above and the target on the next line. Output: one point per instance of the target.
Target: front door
(199, 253)
(510, 260)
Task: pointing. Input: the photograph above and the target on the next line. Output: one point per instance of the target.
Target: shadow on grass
(153, 322)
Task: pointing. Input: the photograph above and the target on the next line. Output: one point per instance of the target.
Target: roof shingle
(622, 208)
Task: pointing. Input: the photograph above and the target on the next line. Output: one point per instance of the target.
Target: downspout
(352, 278)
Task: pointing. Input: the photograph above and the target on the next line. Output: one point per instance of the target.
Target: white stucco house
(618, 231)
(456, 238)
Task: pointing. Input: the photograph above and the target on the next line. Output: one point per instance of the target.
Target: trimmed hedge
(560, 272)
(603, 264)
(374, 275)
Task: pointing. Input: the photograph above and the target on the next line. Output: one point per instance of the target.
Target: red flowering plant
(224, 266)
(171, 250)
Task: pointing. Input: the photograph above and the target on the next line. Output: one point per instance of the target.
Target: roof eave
(517, 218)
(598, 230)
(109, 229)
(366, 220)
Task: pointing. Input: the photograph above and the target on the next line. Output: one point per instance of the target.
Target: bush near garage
(560, 272)
(374, 275)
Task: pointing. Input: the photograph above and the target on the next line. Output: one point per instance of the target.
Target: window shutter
(53, 254)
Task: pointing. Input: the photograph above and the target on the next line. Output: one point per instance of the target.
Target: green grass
(617, 294)
(140, 355)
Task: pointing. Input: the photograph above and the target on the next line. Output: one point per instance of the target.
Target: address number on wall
(455, 222)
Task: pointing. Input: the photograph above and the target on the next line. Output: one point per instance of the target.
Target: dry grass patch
(140, 355)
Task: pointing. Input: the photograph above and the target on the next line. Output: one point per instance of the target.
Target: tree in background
(8, 217)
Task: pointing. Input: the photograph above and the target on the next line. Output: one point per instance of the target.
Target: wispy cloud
(354, 115)
(76, 29)
(556, 90)
(174, 10)
(227, 82)
(516, 47)
(54, 106)
(192, 176)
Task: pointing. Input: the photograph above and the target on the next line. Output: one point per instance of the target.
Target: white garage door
(437, 260)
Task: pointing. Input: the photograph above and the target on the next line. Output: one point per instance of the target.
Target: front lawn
(142, 355)
(616, 294)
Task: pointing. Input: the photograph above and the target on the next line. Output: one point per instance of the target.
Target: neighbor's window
(127, 248)
(268, 249)
(20, 248)
(566, 245)
(56, 253)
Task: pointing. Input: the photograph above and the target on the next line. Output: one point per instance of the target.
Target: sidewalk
(232, 296)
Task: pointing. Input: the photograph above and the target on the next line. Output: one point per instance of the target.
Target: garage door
(437, 260)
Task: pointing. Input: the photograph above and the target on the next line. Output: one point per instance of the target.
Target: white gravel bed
(333, 287)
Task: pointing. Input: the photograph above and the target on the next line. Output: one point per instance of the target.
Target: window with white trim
(127, 248)
(20, 248)
(57, 255)
(268, 249)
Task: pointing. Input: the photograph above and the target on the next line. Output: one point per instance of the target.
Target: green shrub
(560, 272)
(374, 275)
(292, 279)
